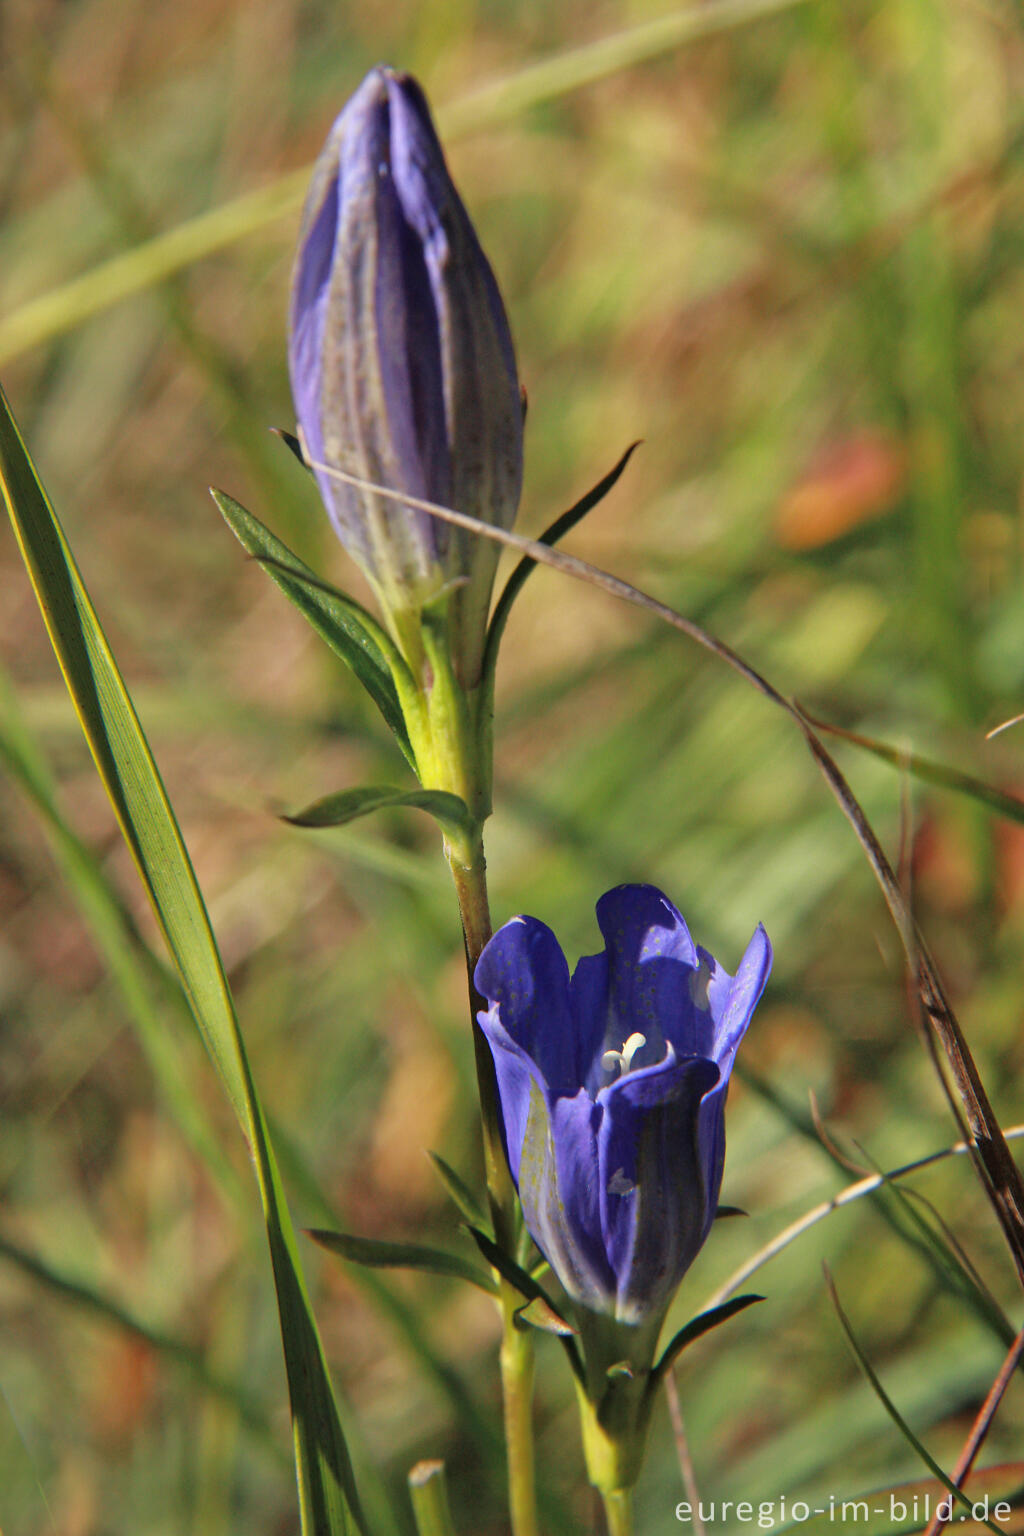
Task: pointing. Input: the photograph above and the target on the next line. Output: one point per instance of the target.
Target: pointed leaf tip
(539, 1313)
(375, 1254)
(700, 1325)
(348, 804)
(351, 632)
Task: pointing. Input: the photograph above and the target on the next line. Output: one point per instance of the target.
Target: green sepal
(729, 1210)
(351, 632)
(551, 535)
(531, 1292)
(539, 1313)
(380, 1255)
(620, 1371)
(698, 1326)
(517, 1277)
(348, 804)
(461, 1194)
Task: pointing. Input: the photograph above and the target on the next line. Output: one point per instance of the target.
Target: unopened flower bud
(401, 360)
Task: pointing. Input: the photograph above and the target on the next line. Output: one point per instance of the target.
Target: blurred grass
(788, 256)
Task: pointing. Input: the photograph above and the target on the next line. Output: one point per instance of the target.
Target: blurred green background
(785, 250)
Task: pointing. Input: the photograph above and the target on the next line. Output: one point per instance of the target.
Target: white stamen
(624, 1059)
(618, 1184)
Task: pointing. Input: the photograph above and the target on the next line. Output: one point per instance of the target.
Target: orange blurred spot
(1009, 843)
(849, 482)
(123, 1390)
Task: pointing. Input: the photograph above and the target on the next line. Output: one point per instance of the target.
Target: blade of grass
(982, 1424)
(929, 771)
(937, 1248)
(119, 196)
(328, 1501)
(154, 261)
(891, 1409)
(847, 1196)
(135, 969)
(87, 1298)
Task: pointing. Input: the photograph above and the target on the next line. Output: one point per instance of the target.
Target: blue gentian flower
(401, 359)
(612, 1088)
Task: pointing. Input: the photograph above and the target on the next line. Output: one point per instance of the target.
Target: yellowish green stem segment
(452, 747)
(429, 1495)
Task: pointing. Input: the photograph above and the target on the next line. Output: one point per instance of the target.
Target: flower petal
(652, 959)
(733, 999)
(559, 1195)
(732, 1002)
(653, 1198)
(524, 972)
(517, 1076)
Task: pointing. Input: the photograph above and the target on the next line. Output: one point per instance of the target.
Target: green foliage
(349, 804)
(328, 1501)
(434, 1261)
(348, 629)
(698, 1326)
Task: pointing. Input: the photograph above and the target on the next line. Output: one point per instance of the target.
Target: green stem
(429, 1496)
(469, 873)
(618, 1511)
(517, 1401)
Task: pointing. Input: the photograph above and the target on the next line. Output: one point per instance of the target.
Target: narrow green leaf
(349, 630)
(530, 1291)
(349, 804)
(891, 1409)
(516, 1277)
(460, 1192)
(539, 1313)
(551, 535)
(948, 1260)
(700, 1325)
(328, 1502)
(724, 1211)
(380, 1255)
(930, 772)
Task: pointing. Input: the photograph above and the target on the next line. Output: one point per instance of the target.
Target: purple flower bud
(401, 359)
(612, 1088)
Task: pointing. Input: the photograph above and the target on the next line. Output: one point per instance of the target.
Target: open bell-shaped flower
(401, 359)
(612, 1088)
